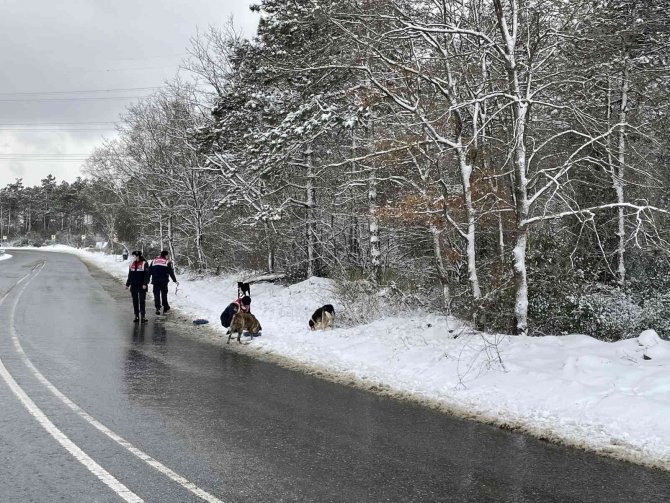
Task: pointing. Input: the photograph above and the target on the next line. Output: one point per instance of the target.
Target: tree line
(502, 160)
(33, 214)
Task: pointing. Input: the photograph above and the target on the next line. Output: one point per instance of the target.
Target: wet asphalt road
(237, 429)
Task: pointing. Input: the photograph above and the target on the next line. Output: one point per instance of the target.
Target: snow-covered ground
(573, 389)
(5, 256)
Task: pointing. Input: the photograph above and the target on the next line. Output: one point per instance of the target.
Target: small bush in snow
(608, 313)
(359, 301)
(363, 301)
(656, 314)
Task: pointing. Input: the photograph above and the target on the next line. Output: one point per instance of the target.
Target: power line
(56, 130)
(92, 123)
(88, 98)
(53, 154)
(99, 123)
(39, 156)
(54, 123)
(177, 55)
(47, 161)
(37, 153)
(85, 91)
(44, 159)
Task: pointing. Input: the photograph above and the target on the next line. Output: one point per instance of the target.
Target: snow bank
(5, 256)
(613, 398)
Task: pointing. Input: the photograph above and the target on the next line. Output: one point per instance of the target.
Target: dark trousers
(139, 296)
(160, 293)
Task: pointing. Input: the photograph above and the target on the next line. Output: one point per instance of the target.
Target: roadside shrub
(551, 307)
(359, 301)
(656, 314)
(364, 301)
(608, 313)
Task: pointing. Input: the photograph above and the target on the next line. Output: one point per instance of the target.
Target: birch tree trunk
(618, 176)
(310, 214)
(375, 253)
(170, 241)
(270, 247)
(441, 269)
(202, 260)
(466, 172)
(160, 228)
(522, 209)
(519, 155)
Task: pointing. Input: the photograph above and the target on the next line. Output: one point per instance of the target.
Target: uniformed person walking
(138, 279)
(161, 272)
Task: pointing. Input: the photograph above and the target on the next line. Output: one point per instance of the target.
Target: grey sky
(59, 48)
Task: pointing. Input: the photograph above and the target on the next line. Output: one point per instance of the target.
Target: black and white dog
(243, 289)
(323, 318)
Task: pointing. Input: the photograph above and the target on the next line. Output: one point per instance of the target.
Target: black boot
(136, 320)
(158, 310)
(144, 320)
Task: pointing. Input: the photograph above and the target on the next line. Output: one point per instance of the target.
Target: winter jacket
(161, 271)
(138, 273)
(228, 313)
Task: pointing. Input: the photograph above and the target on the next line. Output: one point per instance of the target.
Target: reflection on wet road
(238, 429)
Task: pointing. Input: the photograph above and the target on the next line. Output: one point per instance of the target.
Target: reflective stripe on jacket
(162, 271)
(138, 273)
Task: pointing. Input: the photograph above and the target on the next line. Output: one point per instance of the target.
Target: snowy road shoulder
(5, 256)
(611, 398)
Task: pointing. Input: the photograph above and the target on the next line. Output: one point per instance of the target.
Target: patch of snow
(649, 338)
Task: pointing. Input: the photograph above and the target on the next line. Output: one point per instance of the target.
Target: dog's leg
(229, 334)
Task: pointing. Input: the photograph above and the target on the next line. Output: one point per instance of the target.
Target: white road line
(62, 439)
(185, 483)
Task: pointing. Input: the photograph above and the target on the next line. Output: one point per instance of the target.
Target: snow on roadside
(5, 256)
(573, 389)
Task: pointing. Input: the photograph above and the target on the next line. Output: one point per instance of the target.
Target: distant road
(96, 408)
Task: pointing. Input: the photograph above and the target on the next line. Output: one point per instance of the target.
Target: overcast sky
(55, 52)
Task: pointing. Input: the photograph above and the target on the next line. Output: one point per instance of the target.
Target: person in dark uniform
(241, 304)
(138, 279)
(161, 272)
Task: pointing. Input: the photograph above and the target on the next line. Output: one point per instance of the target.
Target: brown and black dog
(243, 322)
(323, 318)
